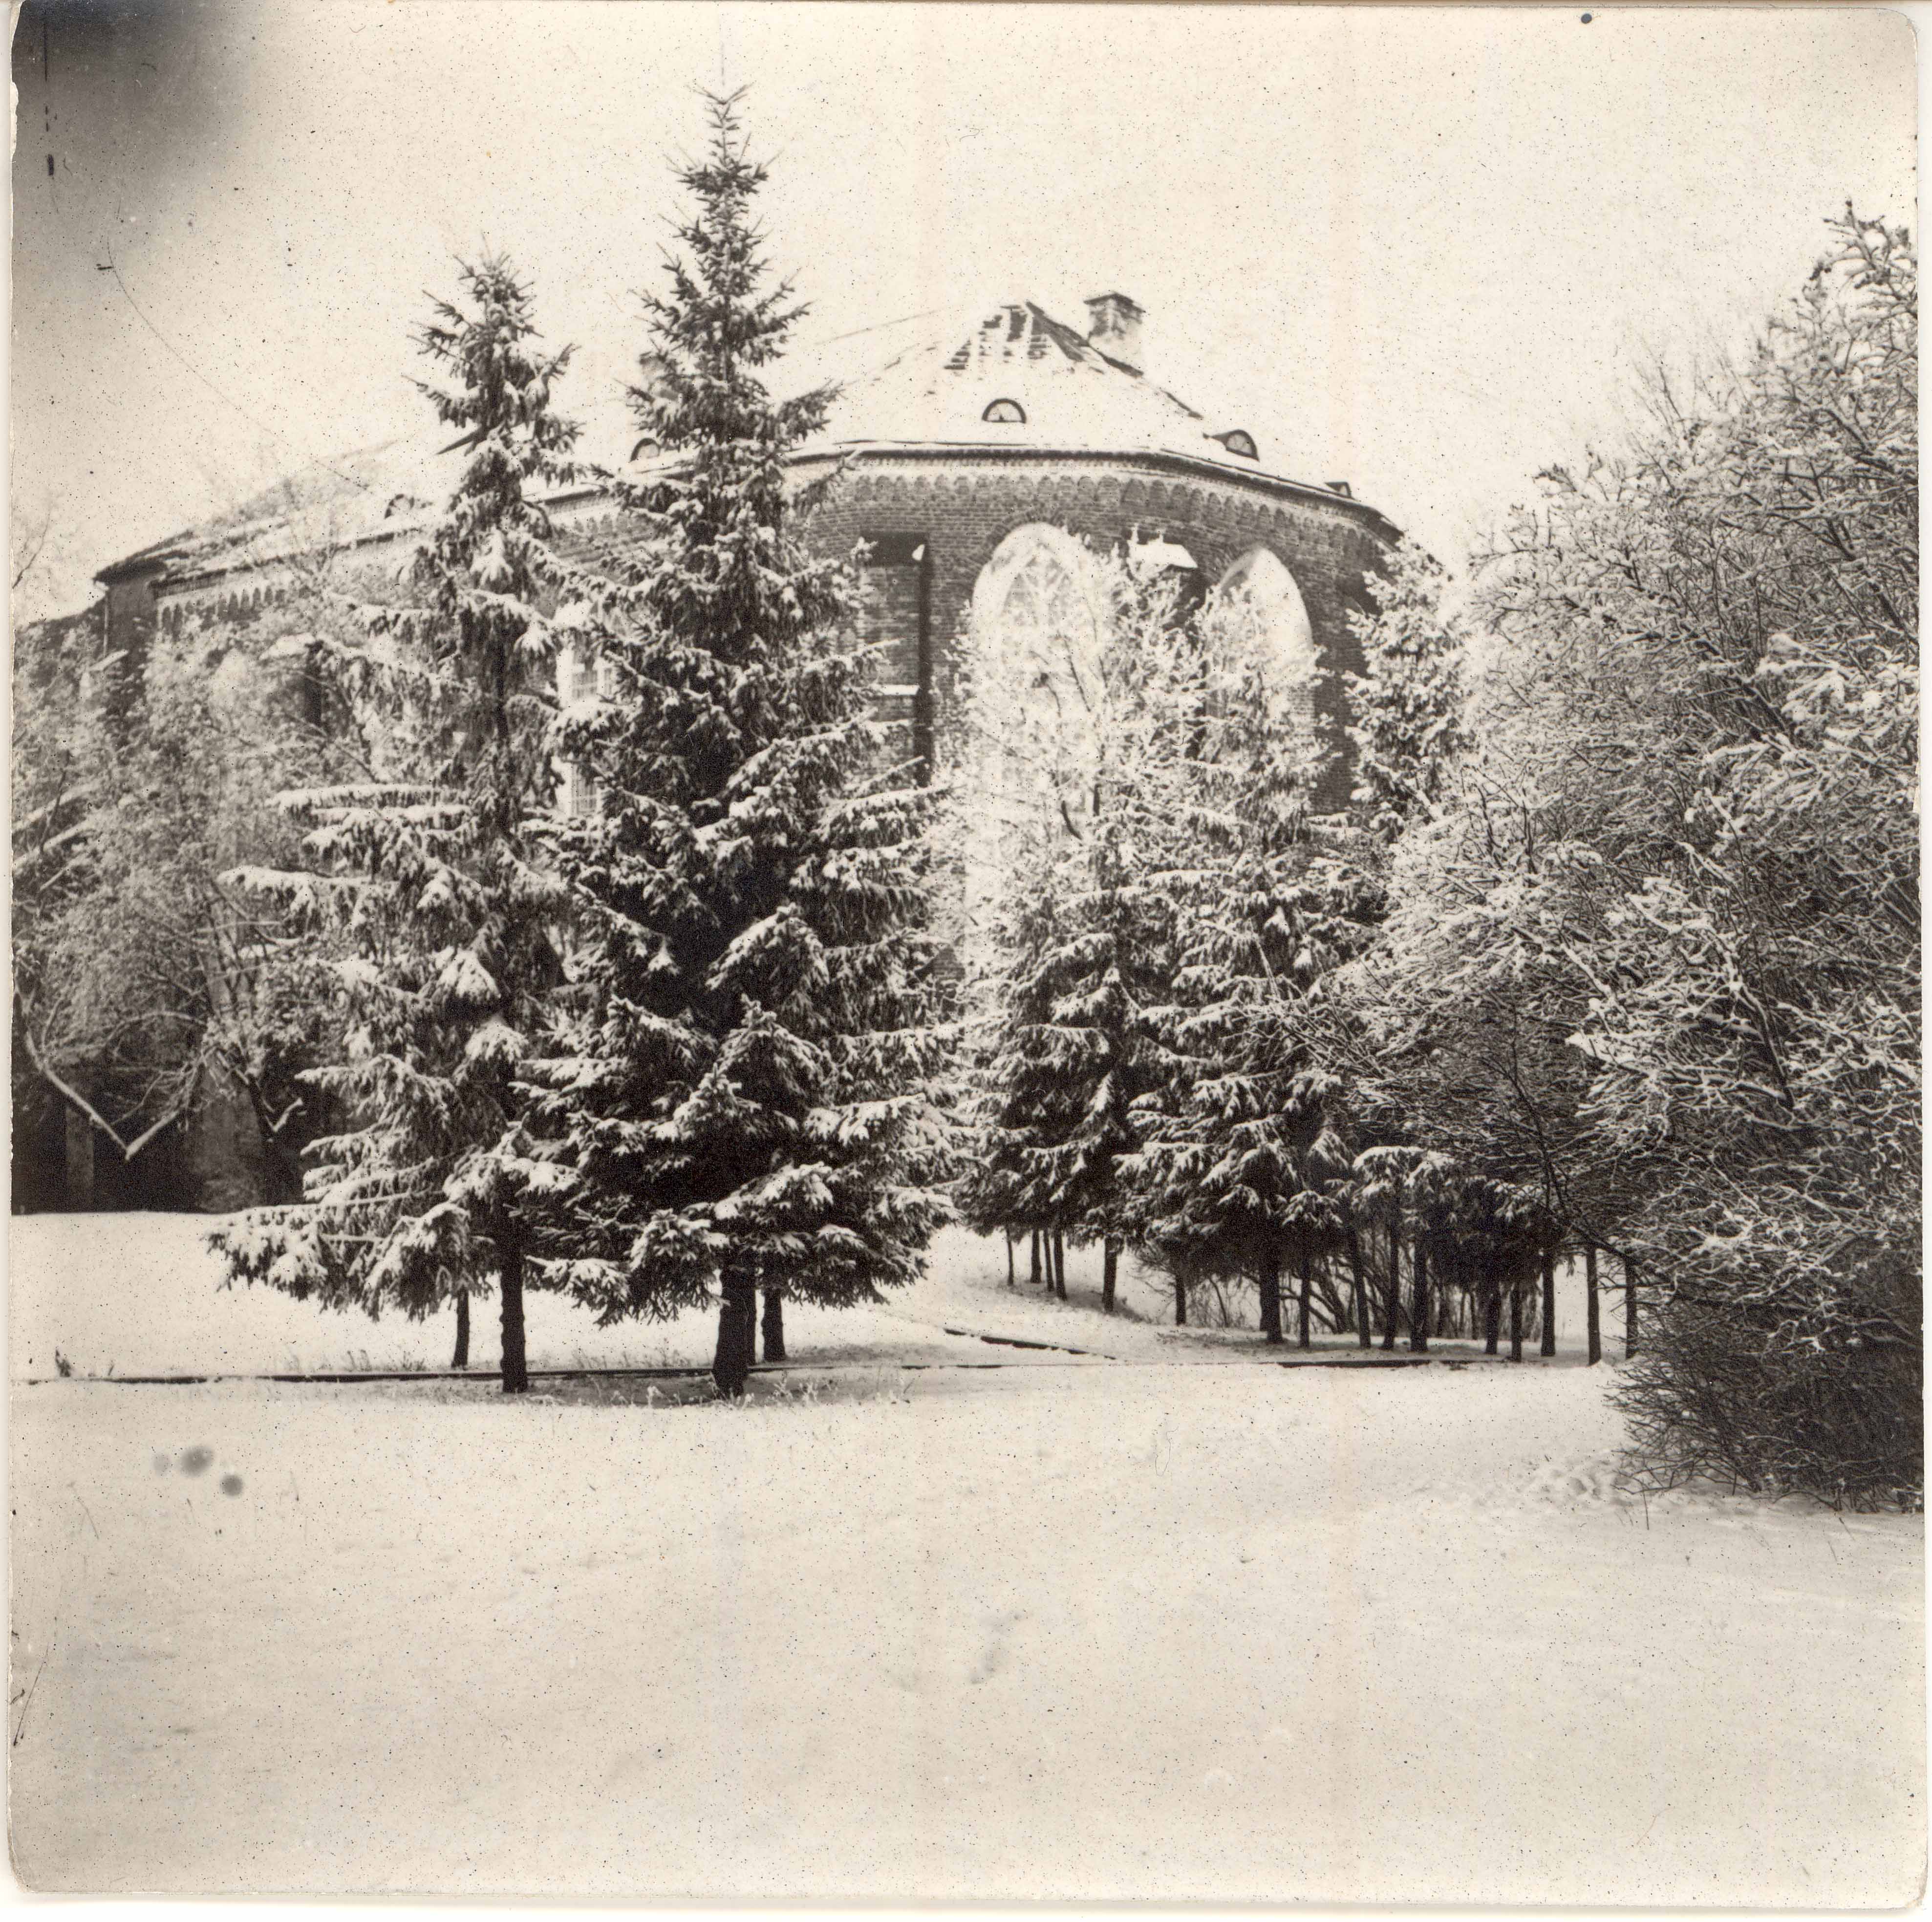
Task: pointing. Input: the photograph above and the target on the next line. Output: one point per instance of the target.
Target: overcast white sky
(1418, 250)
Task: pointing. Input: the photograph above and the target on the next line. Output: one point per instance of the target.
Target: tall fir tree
(1086, 771)
(741, 1100)
(1245, 1140)
(1410, 738)
(425, 894)
(1406, 721)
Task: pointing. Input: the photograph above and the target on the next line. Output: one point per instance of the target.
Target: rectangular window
(578, 677)
(895, 578)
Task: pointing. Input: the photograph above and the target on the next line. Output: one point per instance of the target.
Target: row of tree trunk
(1422, 1305)
(739, 1328)
(739, 1324)
(1048, 1265)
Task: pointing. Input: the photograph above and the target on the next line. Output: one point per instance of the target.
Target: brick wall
(957, 509)
(895, 617)
(930, 520)
(129, 614)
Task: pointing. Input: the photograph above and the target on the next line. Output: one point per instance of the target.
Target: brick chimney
(1115, 328)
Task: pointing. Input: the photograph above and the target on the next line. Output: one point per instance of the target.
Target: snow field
(1078, 1631)
(140, 1294)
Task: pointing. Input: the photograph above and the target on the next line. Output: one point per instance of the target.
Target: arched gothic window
(1037, 613)
(1258, 592)
(1037, 632)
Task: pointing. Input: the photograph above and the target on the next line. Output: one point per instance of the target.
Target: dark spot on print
(231, 1484)
(196, 1461)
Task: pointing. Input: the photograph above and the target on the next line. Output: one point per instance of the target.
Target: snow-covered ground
(1076, 1629)
(139, 1294)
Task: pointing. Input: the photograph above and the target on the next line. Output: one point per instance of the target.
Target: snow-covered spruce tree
(425, 890)
(1077, 831)
(1005, 1107)
(1245, 1140)
(1406, 708)
(1406, 1197)
(741, 1101)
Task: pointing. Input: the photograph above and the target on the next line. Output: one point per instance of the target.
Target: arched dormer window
(1260, 595)
(1238, 440)
(1004, 414)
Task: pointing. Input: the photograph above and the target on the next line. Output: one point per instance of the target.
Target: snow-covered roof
(362, 495)
(1005, 375)
(1060, 390)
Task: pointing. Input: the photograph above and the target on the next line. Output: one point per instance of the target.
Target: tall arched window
(1035, 662)
(1036, 618)
(1261, 593)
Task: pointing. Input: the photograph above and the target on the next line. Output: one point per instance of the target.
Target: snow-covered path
(1077, 1631)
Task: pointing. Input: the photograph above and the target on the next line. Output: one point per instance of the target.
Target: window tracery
(1260, 595)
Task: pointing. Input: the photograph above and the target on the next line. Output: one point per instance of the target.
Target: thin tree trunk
(1305, 1274)
(1630, 1307)
(1179, 1302)
(1059, 1264)
(1363, 1338)
(737, 1309)
(1595, 1307)
(1492, 1317)
(1033, 1279)
(774, 1326)
(1110, 1271)
(516, 1365)
(1269, 1279)
(1548, 1346)
(1011, 1280)
(1516, 1318)
(461, 1359)
(80, 1164)
(1392, 1296)
(1418, 1310)
(281, 1170)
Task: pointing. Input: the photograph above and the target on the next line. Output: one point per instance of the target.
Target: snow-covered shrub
(1754, 1401)
(1657, 957)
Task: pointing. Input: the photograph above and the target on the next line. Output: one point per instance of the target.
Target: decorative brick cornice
(969, 463)
(958, 468)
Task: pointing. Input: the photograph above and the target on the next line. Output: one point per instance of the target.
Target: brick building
(978, 467)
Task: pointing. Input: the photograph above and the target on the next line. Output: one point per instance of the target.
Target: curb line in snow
(350, 1377)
